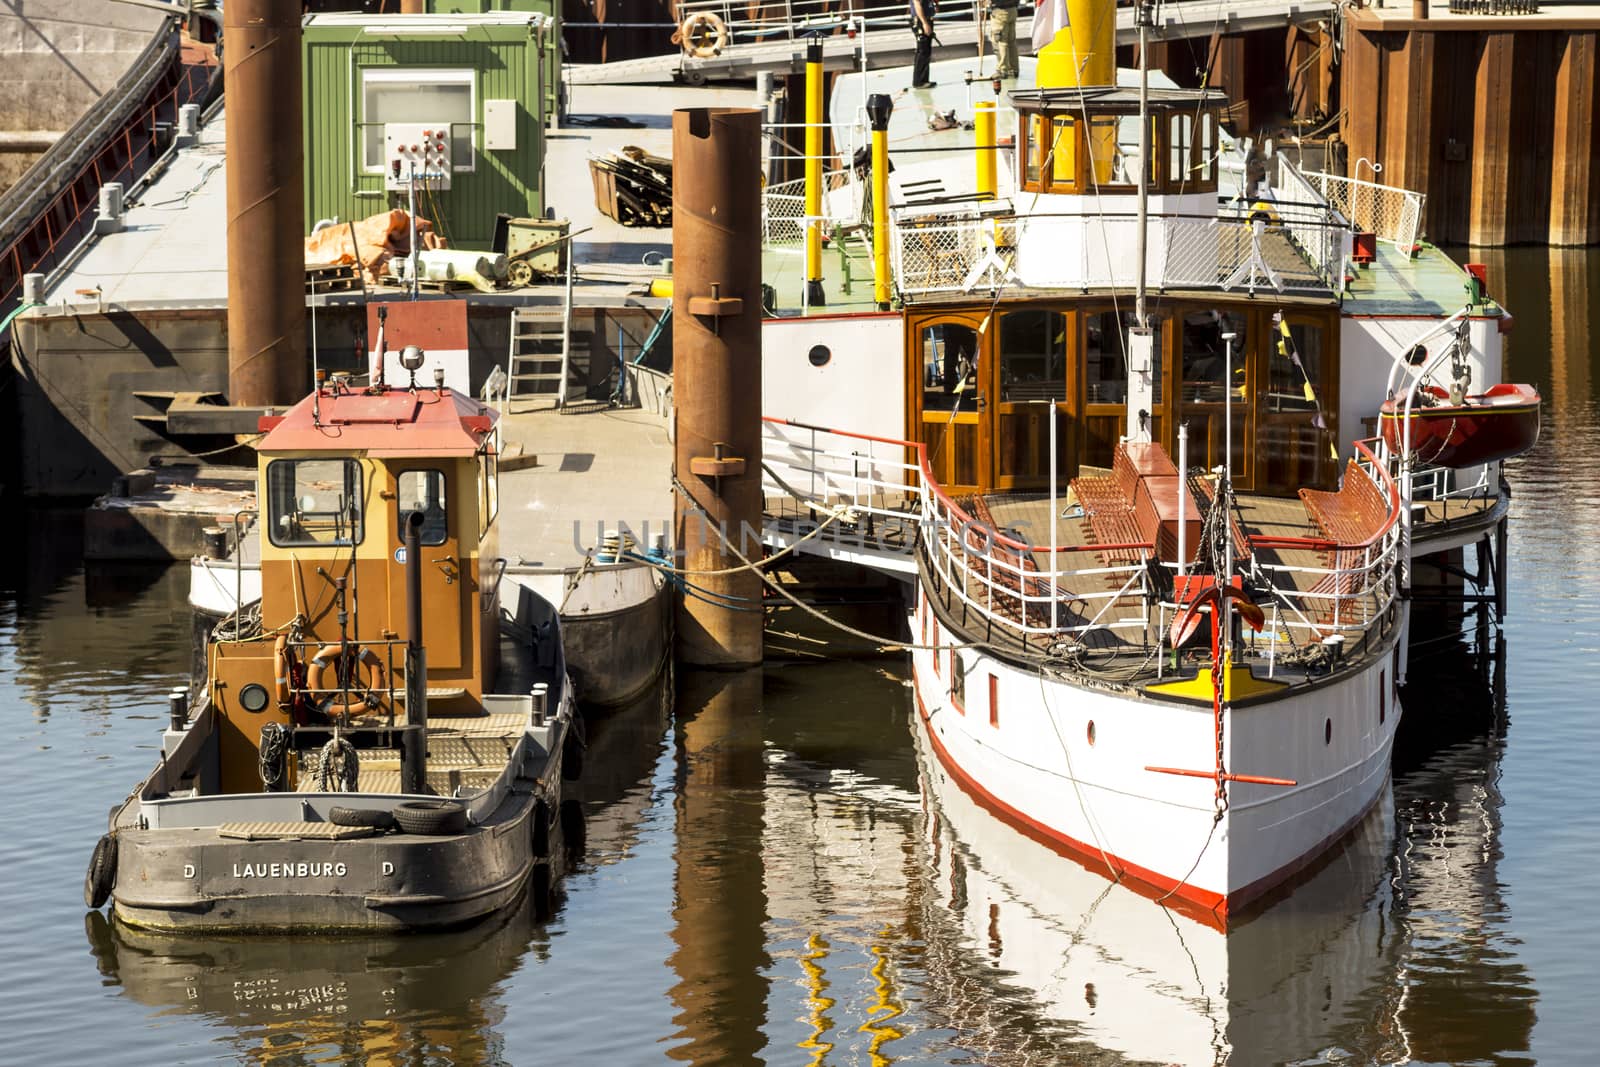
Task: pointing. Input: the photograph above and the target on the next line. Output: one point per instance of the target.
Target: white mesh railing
(1394, 214)
(783, 206)
(966, 252)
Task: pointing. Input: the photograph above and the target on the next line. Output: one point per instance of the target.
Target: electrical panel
(416, 150)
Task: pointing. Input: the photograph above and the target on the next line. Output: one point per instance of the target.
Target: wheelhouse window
(314, 502)
(423, 491)
(1180, 151)
(949, 367)
(1064, 154)
(1206, 170)
(407, 94)
(1033, 151)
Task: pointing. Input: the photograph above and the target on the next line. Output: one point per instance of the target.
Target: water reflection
(425, 998)
(1396, 950)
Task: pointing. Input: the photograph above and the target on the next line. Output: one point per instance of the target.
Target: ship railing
(793, 20)
(1392, 213)
(1353, 591)
(1298, 249)
(783, 207)
(822, 469)
(386, 700)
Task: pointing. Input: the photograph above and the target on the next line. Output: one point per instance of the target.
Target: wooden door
(949, 396)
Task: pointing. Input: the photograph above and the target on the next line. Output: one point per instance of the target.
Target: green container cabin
(482, 74)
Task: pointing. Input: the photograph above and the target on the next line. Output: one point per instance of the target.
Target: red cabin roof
(381, 422)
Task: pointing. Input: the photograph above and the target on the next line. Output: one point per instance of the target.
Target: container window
(405, 94)
(314, 502)
(423, 491)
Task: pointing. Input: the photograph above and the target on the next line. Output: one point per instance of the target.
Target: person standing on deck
(922, 13)
(1003, 36)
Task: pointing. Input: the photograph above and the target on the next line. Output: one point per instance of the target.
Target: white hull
(1032, 763)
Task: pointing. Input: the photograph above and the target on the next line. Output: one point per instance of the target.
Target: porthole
(1090, 731)
(819, 355)
(1327, 731)
(253, 698)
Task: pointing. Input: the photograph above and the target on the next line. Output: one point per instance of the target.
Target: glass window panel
(1126, 168)
(1205, 355)
(423, 491)
(1064, 161)
(1103, 149)
(1208, 149)
(1033, 150)
(1033, 356)
(314, 502)
(949, 367)
(391, 95)
(1105, 357)
(1286, 384)
(1180, 148)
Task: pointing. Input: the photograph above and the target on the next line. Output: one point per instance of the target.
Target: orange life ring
(703, 35)
(281, 651)
(363, 698)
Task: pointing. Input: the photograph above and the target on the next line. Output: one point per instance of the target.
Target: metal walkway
(779, 46)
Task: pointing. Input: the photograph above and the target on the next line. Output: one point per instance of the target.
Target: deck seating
(1352, 516)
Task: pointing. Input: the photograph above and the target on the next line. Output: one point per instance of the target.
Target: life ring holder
(362, 699)
(702, 35)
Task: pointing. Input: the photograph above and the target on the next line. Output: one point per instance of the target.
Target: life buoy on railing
(702, 35)
(362, 697)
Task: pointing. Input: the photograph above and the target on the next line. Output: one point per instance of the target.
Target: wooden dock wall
(1492, 117)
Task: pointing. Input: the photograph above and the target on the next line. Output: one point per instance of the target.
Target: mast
(1140, 345)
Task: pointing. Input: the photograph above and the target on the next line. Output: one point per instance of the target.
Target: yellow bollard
(983, 128)
(814, 294)
(879, 107)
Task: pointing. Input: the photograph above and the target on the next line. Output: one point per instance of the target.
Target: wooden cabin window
(488, 490)
(1064, 154)
(1207, 170)
(1205, 355)
(1180, 151)
(1105, 357)
(1033, 355)
(314, 502)
(423, 491)
(1033, 151)
(949, 367)
(1286, 382)
(1106, 165)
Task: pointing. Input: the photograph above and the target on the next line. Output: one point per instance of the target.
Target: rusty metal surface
(266, 203)
(716, 209)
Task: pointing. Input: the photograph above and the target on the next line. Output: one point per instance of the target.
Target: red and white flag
(1049, 18)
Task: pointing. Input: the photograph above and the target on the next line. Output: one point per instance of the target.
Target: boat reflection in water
(420, 998)
(1388, 952)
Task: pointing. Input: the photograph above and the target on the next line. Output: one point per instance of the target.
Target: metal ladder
(539, 362)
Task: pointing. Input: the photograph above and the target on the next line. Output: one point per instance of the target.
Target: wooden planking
(1574, 192)
(1492, 142)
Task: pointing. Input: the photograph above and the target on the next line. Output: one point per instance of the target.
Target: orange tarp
(377, 238)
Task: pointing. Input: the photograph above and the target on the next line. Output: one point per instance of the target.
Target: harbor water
(770, 872)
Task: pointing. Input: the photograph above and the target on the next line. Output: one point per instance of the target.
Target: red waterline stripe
(1202, 905)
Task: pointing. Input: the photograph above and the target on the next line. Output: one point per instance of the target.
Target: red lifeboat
(1497, 424)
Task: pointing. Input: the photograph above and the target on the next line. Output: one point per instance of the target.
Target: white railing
(1394, 214)
(967, 252)
(1319, 230)
(1040, 593)
(793, 20)
(783, 206)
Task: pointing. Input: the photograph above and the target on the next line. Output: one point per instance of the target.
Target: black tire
(541, 830)
(102, 874)
(431, 817)
(373, 817)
